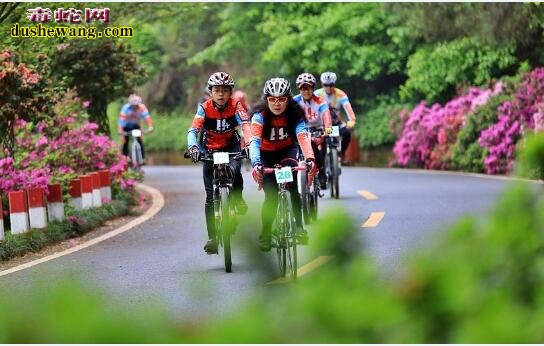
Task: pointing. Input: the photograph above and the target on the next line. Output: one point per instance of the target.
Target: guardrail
(32, 209)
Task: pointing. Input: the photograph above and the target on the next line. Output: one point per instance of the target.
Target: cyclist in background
(277, 124)
(241, 97)
(337, 100)
(217, 120)
(129, 119)
(317, 117)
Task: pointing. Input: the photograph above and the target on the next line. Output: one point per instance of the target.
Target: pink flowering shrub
(59, 149)
(429, 133)
(516, 117)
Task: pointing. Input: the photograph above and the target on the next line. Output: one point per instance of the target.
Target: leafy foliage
(434, 73)
(98, 80)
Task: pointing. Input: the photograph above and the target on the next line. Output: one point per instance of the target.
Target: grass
(77, 223)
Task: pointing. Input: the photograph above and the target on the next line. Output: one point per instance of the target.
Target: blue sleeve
(192, 134)
(343, 100)
(323, 107)
(255, 143)
(301, 127)
(297, 98)
(123, 114)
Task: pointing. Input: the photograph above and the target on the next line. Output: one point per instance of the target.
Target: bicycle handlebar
(208, 157)
(270, 170)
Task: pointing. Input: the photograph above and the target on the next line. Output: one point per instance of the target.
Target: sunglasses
(328, 85)
(272, 99)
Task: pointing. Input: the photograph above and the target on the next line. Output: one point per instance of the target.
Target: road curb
(156, 206)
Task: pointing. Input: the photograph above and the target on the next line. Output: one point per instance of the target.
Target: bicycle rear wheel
(137, 159)
(333, 157)
(314, 199)
(224, 231)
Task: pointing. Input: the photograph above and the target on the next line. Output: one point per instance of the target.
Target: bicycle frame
(223, 179)
(283, 236)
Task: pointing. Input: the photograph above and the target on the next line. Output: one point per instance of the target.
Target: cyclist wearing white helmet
(129, 119)
(277, 124)
(317, 117)
(338, 101)
(217, 120)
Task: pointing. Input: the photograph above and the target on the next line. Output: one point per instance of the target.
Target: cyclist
(337, 100)
(317, 116)
(217, 120)
(129, 119)
(277, 124)
(241, 97)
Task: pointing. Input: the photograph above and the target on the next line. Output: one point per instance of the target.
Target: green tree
(436, 71)
(99, 71)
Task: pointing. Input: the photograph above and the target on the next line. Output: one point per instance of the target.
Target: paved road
(163, 259)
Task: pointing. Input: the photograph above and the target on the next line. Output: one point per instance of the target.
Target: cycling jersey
(276, 137)
(337, 101)
(219, 126)
(316, 111)
(130, 116)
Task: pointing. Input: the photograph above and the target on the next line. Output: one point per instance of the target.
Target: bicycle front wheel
(290, 237)
(224, 230)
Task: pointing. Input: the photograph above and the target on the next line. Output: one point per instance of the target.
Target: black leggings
(287, 157)
(346, 138)
(129, 128)
(237, 186)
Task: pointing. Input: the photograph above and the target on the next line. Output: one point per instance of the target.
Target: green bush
(436, 71)
(530, 155)
(373, 125)
(170, 130)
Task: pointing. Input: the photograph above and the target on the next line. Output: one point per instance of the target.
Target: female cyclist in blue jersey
(277, 125)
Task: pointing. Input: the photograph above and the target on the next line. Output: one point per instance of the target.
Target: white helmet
(134, 100)
(220, 79)
(328, 78)
(305, 78)
(277, 87)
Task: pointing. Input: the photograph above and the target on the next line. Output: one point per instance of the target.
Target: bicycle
(332, 163)
(309, 188)
(224, 209)
(284, 233)
(136, 156)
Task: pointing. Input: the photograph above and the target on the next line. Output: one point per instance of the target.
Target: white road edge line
(157, 204)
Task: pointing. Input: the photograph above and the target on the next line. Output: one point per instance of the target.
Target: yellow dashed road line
(305, 269)
(374, 219)
(368, 195)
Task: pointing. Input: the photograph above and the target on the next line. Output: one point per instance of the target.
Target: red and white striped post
(97, 197)
(37, 213)
(55, 204)
(18, 212)
(2, 237)
(86, 191)
(105, 185)
(75, 194)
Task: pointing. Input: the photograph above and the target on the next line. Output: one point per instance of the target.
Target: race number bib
(220, 158)
(335, 131)
(283, 175)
